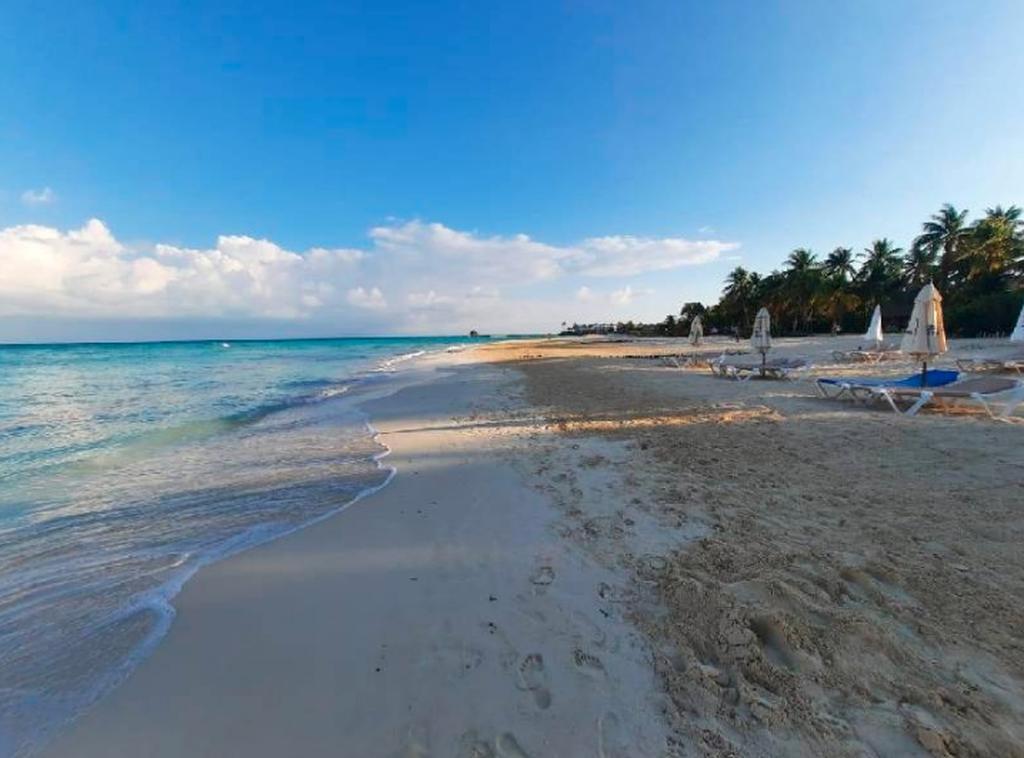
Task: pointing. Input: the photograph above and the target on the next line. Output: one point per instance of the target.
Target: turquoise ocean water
(124, 468)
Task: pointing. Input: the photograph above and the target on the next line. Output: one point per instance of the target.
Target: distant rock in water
(473, 333)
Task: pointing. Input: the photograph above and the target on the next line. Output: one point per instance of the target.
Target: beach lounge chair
(717, 365)
(986, 391)
(692, 360)
(777, 368)
(1013, 362)
(784, 368)
(695, 360)
(836, 387)
(867, 355)
(716, 361)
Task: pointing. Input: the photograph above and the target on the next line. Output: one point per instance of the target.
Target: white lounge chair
(1012, 362)
(867, 355)
(777, 368)
(692, 360)
(989, 392)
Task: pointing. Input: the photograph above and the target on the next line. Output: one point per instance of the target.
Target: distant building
(577, 330)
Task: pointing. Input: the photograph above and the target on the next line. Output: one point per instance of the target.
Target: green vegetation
(978, 267)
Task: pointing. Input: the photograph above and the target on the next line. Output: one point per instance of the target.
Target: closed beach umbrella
(926, 334)
(696, 331)
(1018, 331)
(761, 339)
(874, 332)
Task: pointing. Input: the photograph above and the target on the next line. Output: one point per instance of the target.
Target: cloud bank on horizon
(412, 277)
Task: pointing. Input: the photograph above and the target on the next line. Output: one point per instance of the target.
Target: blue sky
(653, 127)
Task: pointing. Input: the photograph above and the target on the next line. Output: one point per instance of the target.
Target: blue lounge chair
(837, 387)
(988, 392)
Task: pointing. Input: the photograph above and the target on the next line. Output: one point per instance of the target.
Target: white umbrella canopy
(874, 332)
(761, 339)
(926, 334)
(696, 330)
(1018, 331)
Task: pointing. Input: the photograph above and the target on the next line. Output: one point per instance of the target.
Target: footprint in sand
(773, 641)
(611, 594)
(471, 746)
(588, 630)
(611, 738)
(508, 746)
(651, 568)
(542, 576)
(587, 663)
(534, 678)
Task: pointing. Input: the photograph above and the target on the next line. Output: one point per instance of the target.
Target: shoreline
(159, 602)
(519, 696)
(587, 554)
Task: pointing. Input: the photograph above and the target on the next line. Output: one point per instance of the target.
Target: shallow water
(123, 468)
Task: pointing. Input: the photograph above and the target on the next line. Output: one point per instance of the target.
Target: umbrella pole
(764, 359)
(924, 373)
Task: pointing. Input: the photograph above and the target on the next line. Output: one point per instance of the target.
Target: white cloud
(623, 296)
(517, 258)
(87, 272)
(483, 292)
(436, 278)
(429, 299)
(366, 298)
(429, 248)
(629, 256)
(44, 196)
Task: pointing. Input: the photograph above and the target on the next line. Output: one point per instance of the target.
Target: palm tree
(879, 274)
(837, 299)
(882, 257)
(739, 289)
(769, 291)
(943, 236)
(1011, 216)
(995, 250)
(837, 302)
(758, 285)
(737, 283)
(839, 264)
(801, 260)
(919, 267)
(802, 283)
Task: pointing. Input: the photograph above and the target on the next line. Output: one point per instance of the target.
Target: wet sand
(441, 616)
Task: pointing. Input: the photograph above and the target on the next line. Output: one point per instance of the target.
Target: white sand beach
(348, 405)
(585, 553)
